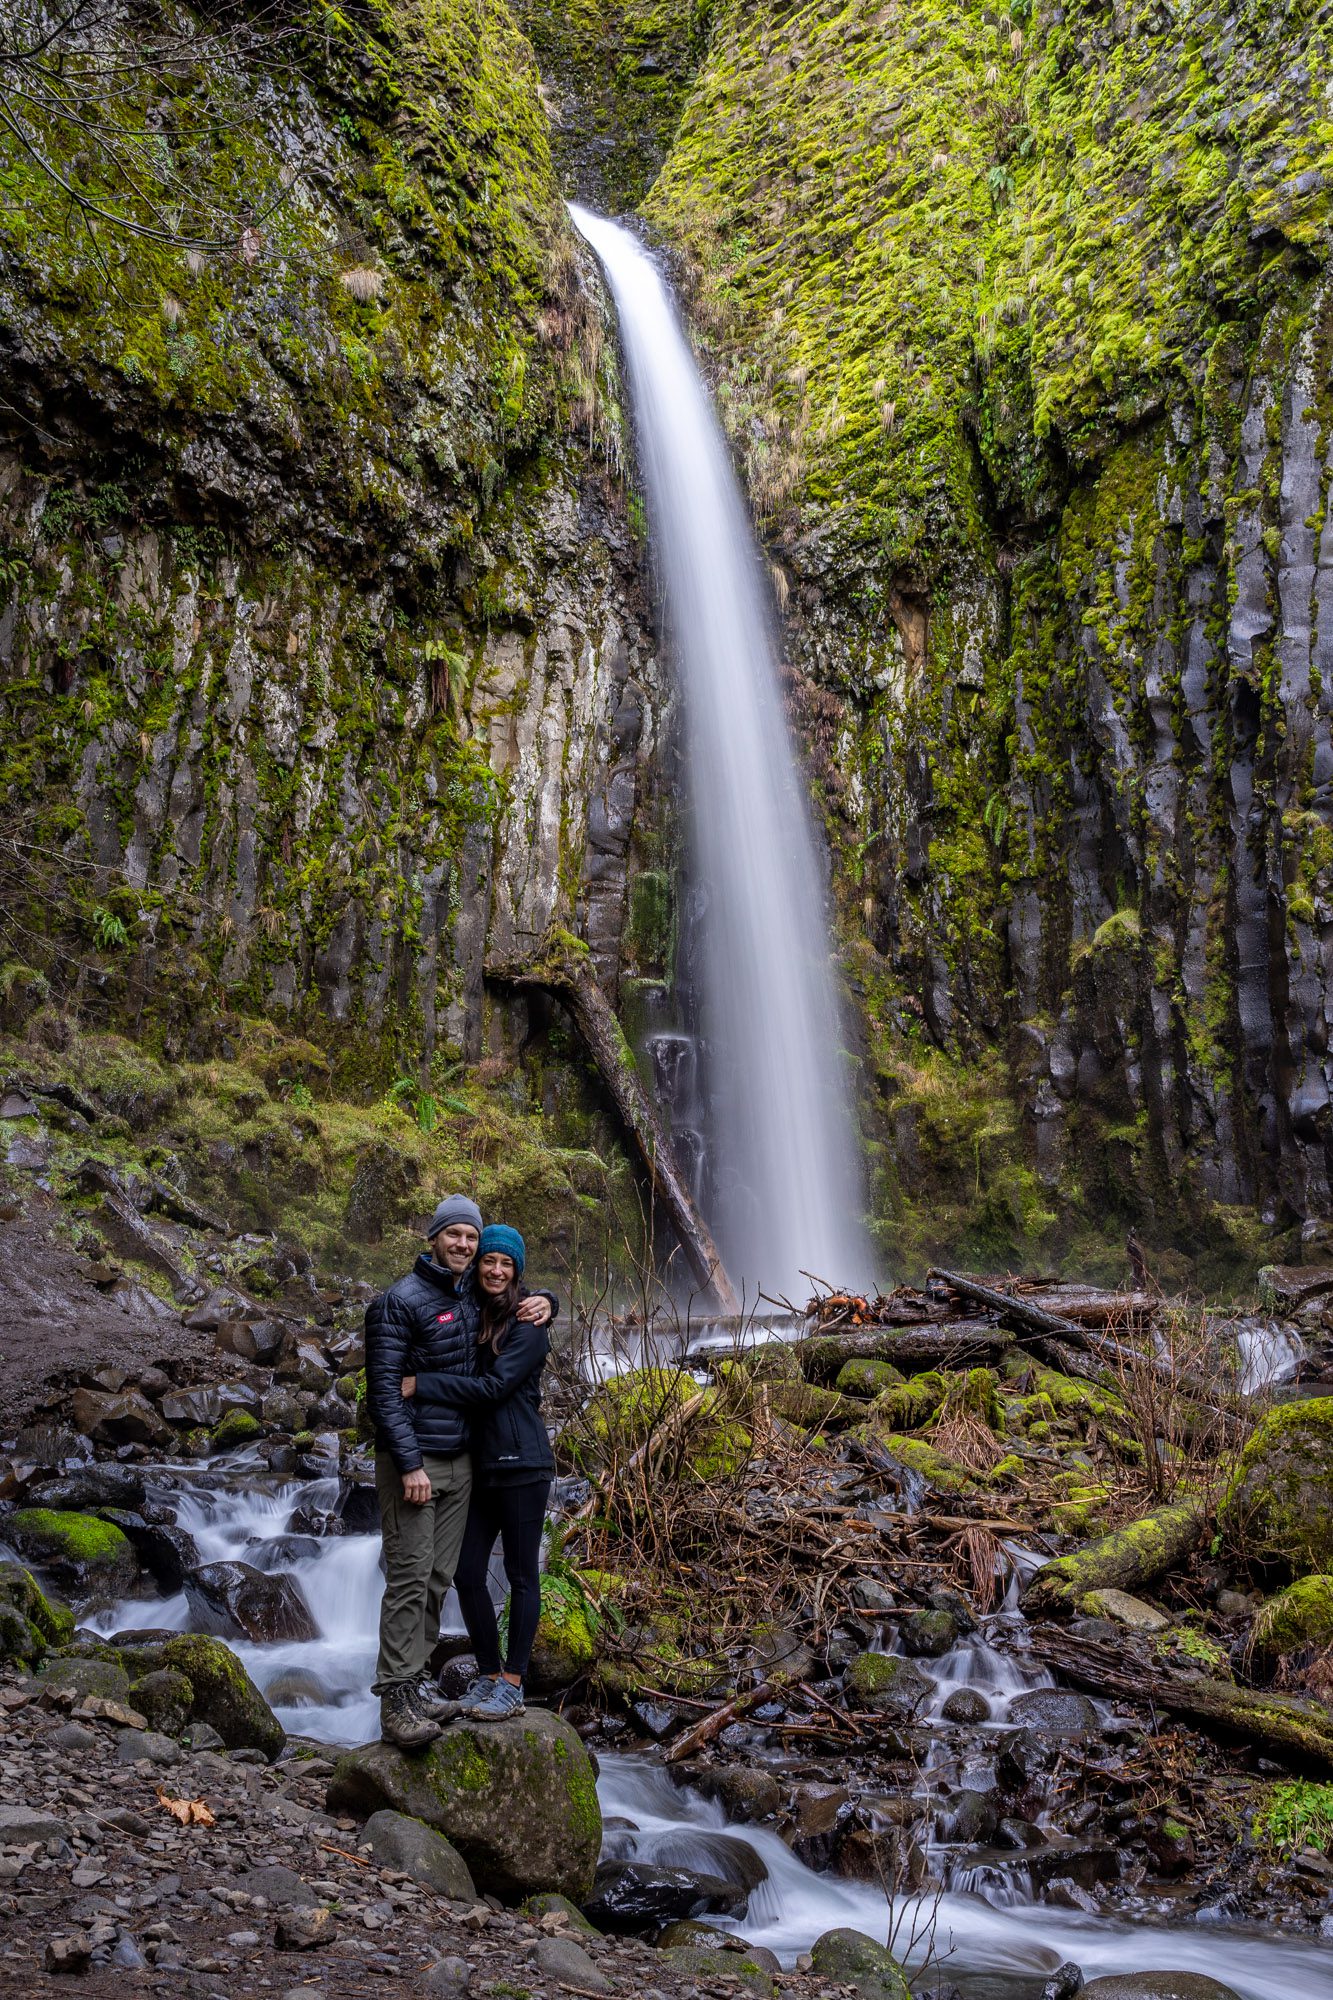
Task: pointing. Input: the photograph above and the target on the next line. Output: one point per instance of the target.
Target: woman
(512, 1470)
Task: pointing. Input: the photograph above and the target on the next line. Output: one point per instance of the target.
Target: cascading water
(785, 1186)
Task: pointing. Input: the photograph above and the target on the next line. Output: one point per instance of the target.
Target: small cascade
(1270, 1353)
(674, 1059)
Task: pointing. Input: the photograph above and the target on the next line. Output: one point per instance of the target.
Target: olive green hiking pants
(421, 1545)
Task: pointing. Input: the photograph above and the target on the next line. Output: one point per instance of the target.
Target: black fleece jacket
(503, 1400)
(427, 1320)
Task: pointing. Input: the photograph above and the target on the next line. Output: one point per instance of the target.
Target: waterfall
(786, 1193)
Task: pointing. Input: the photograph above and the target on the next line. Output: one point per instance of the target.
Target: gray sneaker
(402, 1723)
(503, 1701)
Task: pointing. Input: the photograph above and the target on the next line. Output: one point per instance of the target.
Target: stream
(993, 1946)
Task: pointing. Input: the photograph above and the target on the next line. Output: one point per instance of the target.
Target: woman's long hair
(497, 1312)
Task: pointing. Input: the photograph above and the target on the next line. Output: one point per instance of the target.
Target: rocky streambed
(912, 1772)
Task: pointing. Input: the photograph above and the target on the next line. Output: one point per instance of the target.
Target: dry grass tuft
(364, 283)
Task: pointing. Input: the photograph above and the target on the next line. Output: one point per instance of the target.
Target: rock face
(518, 1800)
(224, 1696)
(1275, 1514)
(236, 1601)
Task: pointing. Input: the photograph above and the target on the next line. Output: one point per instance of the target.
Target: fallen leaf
(190, 1812)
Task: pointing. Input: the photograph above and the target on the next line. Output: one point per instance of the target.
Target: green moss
(1296, 1619)
(944, 1474)
(53, 1624)
(224, 1694)
(237, 1428)
(1274, 1513)
(1294, 1815)
(867, 1379)
(79, 1539)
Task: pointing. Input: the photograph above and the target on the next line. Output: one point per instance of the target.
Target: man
(423, 1474)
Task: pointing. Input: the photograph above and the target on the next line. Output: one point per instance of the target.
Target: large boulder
(44, 1623)
(225, 1697)
(701, 1962)
(566, 1643)
(517, 1799)
(851, 1959)
(237, 1602)
(1275, 1514)
(887, 1683)
(91, 1560)
(126, 1418)
(89, 1488)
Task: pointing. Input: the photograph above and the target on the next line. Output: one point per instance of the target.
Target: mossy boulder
(886, 1682)
(867, 1378)
(1276, 1515)
(631, 1409)
(702, 1962)
(1298, 1620)
(106, 1679)
(856, 1961)
(165, 1698)
(237, 1428)
(566, 1643)
(517, 1799)
(51, 1624)
(910, 1404)
(90, 1559)
(807, 1406)
(944, 1474)
(224, 1695)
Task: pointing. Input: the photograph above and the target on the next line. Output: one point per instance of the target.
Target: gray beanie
(454, 1208)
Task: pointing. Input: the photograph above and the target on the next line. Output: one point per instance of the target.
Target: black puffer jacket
(503, 1400)
(428, 1319)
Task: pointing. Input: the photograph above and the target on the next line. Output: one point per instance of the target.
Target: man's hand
(409, 1386)
(534, 1311)
(416, 1486)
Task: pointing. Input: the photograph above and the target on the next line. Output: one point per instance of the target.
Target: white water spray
(787, 1194)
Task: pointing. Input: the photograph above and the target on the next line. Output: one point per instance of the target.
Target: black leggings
(516, 1514)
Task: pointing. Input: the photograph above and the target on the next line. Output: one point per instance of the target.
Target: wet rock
(928, 1635)
(867, 1593)
(298, 1687)
(224, 1694)
(702, 1964)
(1058, 1710)
(852, 1960)
(89, 1559)
(632, 1896)
(52, 1624)
(1296, 1620)
(127, 1418)
(887, 1857)
(1025, 1754)
(236, 1601)
(966, 1704)
(517, 1799)
(91, 1487)
(967, 1819)
(746, 1793)
(818, 1813)
(1158, 1986)
(886, 1683)
(359, 1509)
(301, 1362)
(419, 1852)
(1275, 1513)
(566, 1963)
(304, 1930)
(1065, 1983)
(1017, 1833)
(165, 1551)
(286, 1409)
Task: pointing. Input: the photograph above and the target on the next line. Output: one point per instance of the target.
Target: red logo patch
(443, 1319)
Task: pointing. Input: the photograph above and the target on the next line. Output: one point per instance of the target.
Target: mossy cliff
(1020, 324)
(323, 646)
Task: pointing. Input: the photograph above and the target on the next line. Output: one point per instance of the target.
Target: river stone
(640, 1895)
(966, 1704)
(52, 1623)
(1158, 1986)
(89, 1487)
(282, 1887)
(696, 1962)
(928, 1635)
(887, 1683)
(968, 1819)
(853, 1960)
(89, 1559)
(81, 1678)
(298, 1687)
(236, 1601)
(447, 1979)
(552, 1904)
(20, 1825)
(426, 1856)
(1123, 1609)
(128, 1418)
(1298, 1618)
(1056, 1709)
(224, 1694)
(165, 1698)
(564, 1962)
(518, 1800)
(1275, 1513)
(746, 1793)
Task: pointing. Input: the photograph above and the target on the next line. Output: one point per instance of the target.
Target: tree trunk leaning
(563, 967)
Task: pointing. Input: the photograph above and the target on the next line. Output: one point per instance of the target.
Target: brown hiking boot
(402, 1722)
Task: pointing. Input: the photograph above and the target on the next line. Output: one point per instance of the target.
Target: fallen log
(957, 1344)
(1301, 1733)
(563, 967)
(1126, 1559)
(713, 1725)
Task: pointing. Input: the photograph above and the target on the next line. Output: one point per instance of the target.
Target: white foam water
(786, 1191)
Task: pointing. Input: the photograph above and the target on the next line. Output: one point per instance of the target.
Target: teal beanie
(507, 1242)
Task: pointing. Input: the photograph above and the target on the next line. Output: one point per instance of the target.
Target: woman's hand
(534, 1311)
(409, 1386)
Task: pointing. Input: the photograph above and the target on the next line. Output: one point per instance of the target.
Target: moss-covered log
(967, 1344)
(564, 968)
(1299, 1732)
(1124, 1560)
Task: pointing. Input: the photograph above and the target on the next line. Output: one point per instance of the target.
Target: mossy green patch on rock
(87, 1556)
(224, 1694)
(237, 1428)
(53, 1624)
(1297, 1619)
(1275, 1514)
(867, 1379)
(694, 1424)
(566, 1643)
